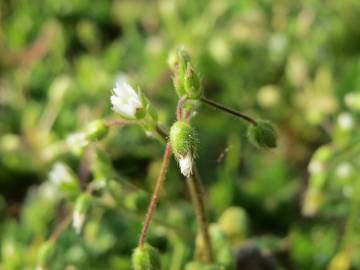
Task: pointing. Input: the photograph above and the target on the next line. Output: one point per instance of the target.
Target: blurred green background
(296, 63)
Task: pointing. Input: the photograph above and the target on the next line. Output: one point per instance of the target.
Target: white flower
(78, 221)
(315, 166)
(125, 100)
(60, 174)
(186, 164)
(344, 170)
(345, 121)
(77, 142)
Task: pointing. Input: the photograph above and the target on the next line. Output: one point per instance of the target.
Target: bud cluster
(186, 81)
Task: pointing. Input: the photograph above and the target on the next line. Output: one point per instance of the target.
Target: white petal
(186, 164)
(125, 100)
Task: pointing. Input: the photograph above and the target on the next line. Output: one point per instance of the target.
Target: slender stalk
(180, 108)
(228, 110)
(120, 122)
(197, 197)
(159, 183)
(60, 228)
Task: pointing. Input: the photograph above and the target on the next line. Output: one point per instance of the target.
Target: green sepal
(183, 139)
(146, 258)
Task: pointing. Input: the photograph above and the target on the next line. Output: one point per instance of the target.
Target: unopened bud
(183, 141)
(96, 130)
(178, 63)
(146, 258)
(263, 134)
(234, 222)
(192, 83)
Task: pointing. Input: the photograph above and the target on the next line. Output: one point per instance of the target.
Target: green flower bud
(234, 222)
(263, 134)
(179, 85)
(183, 141)
(82, 205)
(183, 58)
(146, 258)
(192, 83)
(96, 130)
(45, 254)
(178, 64)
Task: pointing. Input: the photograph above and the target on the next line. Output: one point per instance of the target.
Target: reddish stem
(159, 184)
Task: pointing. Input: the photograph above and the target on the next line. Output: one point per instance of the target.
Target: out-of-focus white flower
(60, 174)
(344, 170)
(78, 221)
(125, 100)
(345, 121)
(315, 166)
(77, 142)
(186, 164)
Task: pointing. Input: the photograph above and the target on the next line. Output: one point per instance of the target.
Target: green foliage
(296, 63)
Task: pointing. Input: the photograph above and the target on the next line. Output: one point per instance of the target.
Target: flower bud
(262, 134)
(96, 130)
(178, 63)
(45, 254)
(179, 85)
(146, 258)
(234, 222)
(192, 83)
(63, 178)
(183, 141)
(82, 205)
(183, 58)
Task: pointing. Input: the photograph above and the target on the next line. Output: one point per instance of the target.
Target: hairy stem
(159, 184)
(228, 110)
(197, 197)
